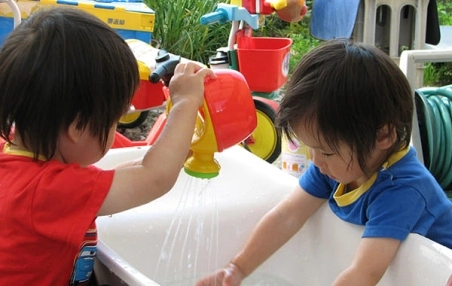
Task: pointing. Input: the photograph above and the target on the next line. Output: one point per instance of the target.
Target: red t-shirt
(48, 234)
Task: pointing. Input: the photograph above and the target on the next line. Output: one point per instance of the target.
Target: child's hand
(187, 83)
(228, 276)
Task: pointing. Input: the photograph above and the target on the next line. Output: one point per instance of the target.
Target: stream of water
(193, 232)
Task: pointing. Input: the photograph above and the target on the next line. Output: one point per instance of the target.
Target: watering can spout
(227, 117)
(202, 165)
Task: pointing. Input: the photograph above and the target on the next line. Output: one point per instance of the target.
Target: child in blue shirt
(353, 107)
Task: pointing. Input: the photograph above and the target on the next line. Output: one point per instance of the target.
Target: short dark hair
(348, 91)
(61, 65)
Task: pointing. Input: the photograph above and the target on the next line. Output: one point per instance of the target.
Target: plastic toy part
(131, 19)
(287, 10)
(202, 164)
(227, 117)
(227, 12)
(258, 55)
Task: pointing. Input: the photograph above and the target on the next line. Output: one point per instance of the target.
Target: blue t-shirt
(401, 198)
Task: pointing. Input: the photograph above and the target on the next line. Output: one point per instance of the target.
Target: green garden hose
(434, 110)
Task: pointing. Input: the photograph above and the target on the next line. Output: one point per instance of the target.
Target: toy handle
(158, 74)
(165, 65)
(200, 125)
(218, 16)
(15, 9)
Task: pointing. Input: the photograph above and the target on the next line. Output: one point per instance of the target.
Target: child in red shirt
(65, 80)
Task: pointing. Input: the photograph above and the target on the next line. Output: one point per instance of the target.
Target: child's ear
(74, 133)
(386, 136)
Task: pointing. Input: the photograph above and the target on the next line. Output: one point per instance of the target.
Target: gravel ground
(140, 133)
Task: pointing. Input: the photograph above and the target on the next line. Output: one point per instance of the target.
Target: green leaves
(179, 31)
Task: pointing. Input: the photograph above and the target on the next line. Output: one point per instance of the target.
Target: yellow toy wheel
(133, 119)
(265, 141)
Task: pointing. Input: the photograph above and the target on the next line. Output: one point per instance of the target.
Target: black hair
(59, 66)
(345, 92)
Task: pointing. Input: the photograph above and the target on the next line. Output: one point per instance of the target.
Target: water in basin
(200, 224)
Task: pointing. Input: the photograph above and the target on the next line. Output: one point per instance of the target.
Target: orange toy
(287, 10)
(228, 116)
(293, 11)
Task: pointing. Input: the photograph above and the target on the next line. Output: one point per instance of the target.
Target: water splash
(193, 233)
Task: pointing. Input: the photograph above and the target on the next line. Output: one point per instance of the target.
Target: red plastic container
(148, 95)
(257, 7)
(231, 108)
(264, 61)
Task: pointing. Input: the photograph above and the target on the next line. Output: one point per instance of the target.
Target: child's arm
(273, 231)
(370, 262)
(141, 183)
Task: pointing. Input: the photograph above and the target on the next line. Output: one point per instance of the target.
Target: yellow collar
(344, 198)
(7, 150)
(395, 157)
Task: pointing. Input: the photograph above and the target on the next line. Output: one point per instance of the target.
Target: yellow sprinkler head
(227, 117)
(202, 164)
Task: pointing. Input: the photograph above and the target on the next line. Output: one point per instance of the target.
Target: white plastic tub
(213, 224)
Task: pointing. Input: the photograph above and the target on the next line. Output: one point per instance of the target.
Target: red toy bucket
(264, 61)
(148, 95)
(231, 107)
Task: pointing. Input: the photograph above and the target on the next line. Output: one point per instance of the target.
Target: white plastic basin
(187, 233)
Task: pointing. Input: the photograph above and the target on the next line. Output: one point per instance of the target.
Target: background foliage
(440, 74)
(179, 31)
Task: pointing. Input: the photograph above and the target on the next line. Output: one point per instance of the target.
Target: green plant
(439, 74)
(298, 32)
(303, 41)
(444, 12)
(179, 31)
(430, 75)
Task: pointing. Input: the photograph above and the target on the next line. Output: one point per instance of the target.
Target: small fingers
(206, 72)
(215, 279)
(191, 67)
(188, 66)
(232, 275)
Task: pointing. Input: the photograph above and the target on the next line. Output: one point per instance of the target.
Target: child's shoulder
(404, 160)
(407, 172)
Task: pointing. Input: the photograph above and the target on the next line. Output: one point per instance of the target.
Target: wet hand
(187, 83)
(228, 276)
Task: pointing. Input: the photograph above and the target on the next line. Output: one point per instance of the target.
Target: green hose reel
(434, 111)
